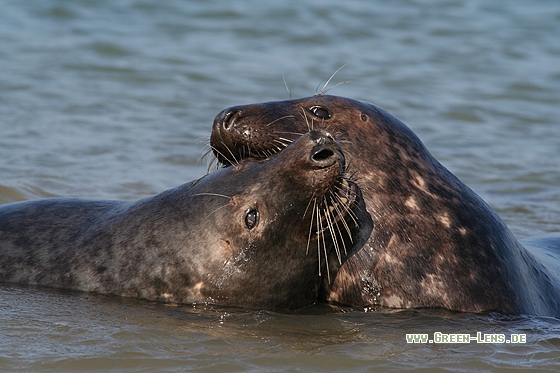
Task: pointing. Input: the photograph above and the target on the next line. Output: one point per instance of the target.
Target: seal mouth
(227, 157)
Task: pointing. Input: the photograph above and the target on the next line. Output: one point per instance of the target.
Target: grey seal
(256, 235)
(434, 243)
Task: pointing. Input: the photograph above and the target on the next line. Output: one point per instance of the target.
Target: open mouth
(228, 157)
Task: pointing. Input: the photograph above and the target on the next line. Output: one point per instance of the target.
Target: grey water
(115, 99)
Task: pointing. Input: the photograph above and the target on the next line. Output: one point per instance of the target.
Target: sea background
(115, 99)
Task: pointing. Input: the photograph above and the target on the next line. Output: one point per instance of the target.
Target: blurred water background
(115, 99)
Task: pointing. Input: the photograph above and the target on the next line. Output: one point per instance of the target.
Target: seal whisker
(310, 225)
(236, 162)
(330, 227)
(279, 148)
(268, 153)
(321, 237)
(212, 160)
(341, 214)
(353, 216)
(217, 195)
(334, 86)
(342, 238)
(205, 153)
(218, 209)
(342, 141)
(279, 119)
(298, 134)
(215, 164)
(344, 223)
(284, 145)
(286, 140)
(350, 213)
(328, 81)
(314, 200)
(309, 127)
(224, 156)
(212, 194)
(265, 153)
(326, 256)
(216, 150)
(316, 213)
(318, 217)
(286, 85)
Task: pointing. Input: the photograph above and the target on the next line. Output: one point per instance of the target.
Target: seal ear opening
(251, 218)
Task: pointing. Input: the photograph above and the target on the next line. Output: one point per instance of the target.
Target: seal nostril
(322, 155)
(326, 152)
(228, 118)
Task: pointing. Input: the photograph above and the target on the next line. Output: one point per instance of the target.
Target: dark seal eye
(251, 218)
(320, 112)
(364, 117)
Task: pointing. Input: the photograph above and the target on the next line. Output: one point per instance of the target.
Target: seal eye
(251, 218)
(320, 112)
(364, 117)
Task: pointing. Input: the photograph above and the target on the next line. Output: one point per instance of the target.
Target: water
(115, 99)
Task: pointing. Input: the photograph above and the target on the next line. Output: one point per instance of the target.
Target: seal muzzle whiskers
(283, 143)
(330, 228)
(320, 239)
(328, 215)
(314, 200)
(316, 222)
(219, 153)
(347, 228)
(286, 141)
(343, 200)
(296, 134)
(212, 162)
(235, 161)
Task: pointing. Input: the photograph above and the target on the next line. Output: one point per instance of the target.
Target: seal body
(434, 243)
(243, 236)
